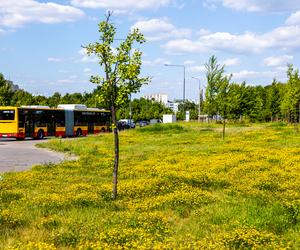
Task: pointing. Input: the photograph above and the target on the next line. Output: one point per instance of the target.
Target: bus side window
(98, 119)
(106, 118)
(40, 118)
(80, 118)
(76, 118)
(60, 118)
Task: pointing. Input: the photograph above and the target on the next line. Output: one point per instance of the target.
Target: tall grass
(181, 187)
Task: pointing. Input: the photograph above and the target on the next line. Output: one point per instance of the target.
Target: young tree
(217, 92)
(121, 66)
(222, 99)
(214, 75)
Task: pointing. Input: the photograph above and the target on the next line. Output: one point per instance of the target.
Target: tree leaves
(121, 64)
(6, 92)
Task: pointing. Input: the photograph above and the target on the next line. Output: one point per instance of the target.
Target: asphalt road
(22, 155)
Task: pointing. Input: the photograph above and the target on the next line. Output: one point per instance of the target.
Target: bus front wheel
(40, 134)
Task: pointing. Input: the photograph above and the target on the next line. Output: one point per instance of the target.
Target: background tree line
(239, 101)
(142, 109)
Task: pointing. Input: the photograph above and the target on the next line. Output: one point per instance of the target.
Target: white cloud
(246, 75)
(217, 41)
(18, 13)
(87, 70)
(160, 29)
(73, 77)
(275, 61)
(256, 5)
(54, 59)
(202, 32)
(294, 19)
(156, 62)
(121, 5)
(283, 38)
(181, 46)
(210, 4)
(231, 62)
(281, 69)
(189, 62)
(70, 79)
(197, 69)
(85, 58)
(65, 81)
(4, 30)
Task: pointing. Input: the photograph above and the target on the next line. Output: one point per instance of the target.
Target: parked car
(154, 121)
(125, 124)
(131, 124)
(121, 125)
(143, 123)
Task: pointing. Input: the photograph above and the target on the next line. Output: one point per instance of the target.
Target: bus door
(51, 123)
(91, 123)
(51, 128)
(91, 128)
(29, 123)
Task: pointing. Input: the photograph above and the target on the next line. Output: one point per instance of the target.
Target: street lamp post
(199, 107)
(182, 66)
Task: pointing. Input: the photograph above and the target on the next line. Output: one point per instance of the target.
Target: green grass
(180, 186)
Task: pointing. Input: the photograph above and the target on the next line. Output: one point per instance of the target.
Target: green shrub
(163, 128)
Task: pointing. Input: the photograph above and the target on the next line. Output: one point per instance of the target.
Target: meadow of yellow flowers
(180, 187)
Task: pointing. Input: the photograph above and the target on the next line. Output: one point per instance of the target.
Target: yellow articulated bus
(41, 121)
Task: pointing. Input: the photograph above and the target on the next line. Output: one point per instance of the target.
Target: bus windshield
(7, 114)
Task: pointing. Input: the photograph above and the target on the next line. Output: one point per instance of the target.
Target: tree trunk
(116, 162)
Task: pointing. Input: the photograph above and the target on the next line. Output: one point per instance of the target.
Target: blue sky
(40, 41)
